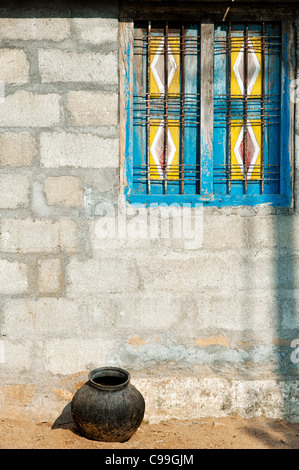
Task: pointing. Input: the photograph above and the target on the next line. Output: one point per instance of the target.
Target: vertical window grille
(247, 108)
(166, 108)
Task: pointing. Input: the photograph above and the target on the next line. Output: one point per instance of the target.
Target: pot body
(107, 407)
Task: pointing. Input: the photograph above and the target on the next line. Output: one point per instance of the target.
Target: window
(207, 113)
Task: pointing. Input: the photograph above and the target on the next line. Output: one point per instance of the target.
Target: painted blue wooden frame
(284, 199)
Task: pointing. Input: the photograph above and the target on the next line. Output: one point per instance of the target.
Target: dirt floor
(206, 433)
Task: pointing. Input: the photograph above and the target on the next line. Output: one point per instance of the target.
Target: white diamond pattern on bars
(253, 150)
(157, 66)
(157, 149)
(253, 68)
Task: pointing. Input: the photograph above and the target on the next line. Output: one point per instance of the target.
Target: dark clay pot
(107, 407)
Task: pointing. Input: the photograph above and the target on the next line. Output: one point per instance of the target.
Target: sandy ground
(206, 433)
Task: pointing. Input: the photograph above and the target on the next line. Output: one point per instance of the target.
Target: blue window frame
(207, 110)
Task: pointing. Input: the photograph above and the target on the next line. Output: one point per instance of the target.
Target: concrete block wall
(205, 331)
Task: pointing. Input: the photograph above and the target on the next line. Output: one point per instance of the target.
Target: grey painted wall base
(182, 398)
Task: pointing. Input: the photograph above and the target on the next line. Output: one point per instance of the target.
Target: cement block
(70, 356)
(13, 277)
(57, 65)
(60, 149)
(193, 274)
(50, 276)
(17, 149)
(93, 108)
(224, 233)
(236, 311)
(26, 109)
(96, 30)
(18, 356)
(34, 29)
(139, 312)
(14, 66)
(44, 318)
(29, 236)
(14, 191)
(288, 314)
(94, 277)
(64, 191)
(269, 232)
(279, 232)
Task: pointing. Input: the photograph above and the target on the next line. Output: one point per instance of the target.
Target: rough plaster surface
(204, 330)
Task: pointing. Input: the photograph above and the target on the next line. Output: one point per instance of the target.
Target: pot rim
(101, 371)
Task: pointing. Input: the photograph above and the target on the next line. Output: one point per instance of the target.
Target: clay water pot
(107, 407)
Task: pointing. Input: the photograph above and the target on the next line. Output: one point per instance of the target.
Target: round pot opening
(109, 378)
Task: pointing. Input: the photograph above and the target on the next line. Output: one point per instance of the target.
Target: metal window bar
(174, 109)
(148, 117)
(263, 111)
(229, 37)
(245, 107)
(190, 46)
(227, 106)
(182, 107)
(165, 162)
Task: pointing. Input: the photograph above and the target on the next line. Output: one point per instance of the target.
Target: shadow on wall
(286, 321)
(59, 9)
(271, 268)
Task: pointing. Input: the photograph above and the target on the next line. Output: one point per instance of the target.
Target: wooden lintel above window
(203, 9)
